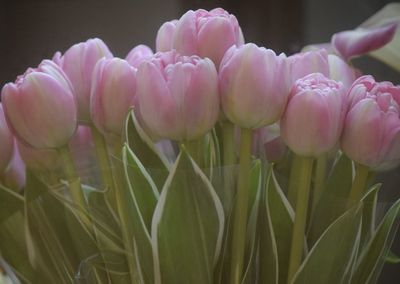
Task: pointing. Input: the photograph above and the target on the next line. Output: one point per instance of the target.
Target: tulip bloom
(177, 96)
(254, 84)
(7, 142)
(78, 63)
(113, 93)
(371, 134)
(40, 107)
(203, 33)
(304, 63)
(339, 70)
(313, 119)
(139, 54)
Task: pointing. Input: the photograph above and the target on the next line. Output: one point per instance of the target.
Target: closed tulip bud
(6, 142)
(313, 119)
(78, 63)
(371, 134)
(178, 96)
(304, 63)
(207, 34)
(165, 36)
(113, 93)
(139, 54)
(339, 70)
(40, 107)
(254, 85)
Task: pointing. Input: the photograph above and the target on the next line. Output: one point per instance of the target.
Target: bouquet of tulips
(211, 161)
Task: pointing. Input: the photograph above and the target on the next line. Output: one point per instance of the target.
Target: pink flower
(313, 119)
(304, 63)
(113, 93)
(165, 36)
(371, 134)
(268, 143)
(78, 63)
(339, 70)
(254, 84)
(6, 144)
(362, 40)
(177, 96)
(203, 33)
(139, 54)
(40, 107)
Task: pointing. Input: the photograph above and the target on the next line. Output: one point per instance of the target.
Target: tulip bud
(206, 34)
(313, 119)
(254, 85)
(165, 36)
(40, 107)
(78, 63)
(6, 144)
(304, 63)
(339, 70)
(113, 93)
(178, 96)
(139, 54)
(371, 134)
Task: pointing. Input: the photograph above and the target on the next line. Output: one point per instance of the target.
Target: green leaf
(333, 252)
(392, 258)
(187, 226)
(333, 200)
(142, 145)
(10, 202)
(282, 215)
(372, 257)
(369, 200)
(141, 197)
(269, 268)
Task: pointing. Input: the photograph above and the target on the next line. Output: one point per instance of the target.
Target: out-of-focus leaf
(187, 226)
(392, 258)
(372, 257)
(333, 200)
(369, 200)
(326, 263)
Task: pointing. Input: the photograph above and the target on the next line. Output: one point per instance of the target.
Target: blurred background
(31, 30)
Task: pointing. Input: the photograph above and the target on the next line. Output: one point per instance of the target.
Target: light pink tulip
(40, 107)
(304, 63)
(15, 176)
(78, 63)
(178, 96)
(313, 119)
(371, 134)
(339, 70)
(112, 94)
(6, 142)
(362, 40)
(139, 54)
(254, 84)
(207, 34)
(165, 36)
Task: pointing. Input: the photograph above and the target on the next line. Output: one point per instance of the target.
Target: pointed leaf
(187, 226)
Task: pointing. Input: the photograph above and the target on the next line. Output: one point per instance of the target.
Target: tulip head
(339, 70)
(254, 85)
(371, 134)
(40, 107)
(78, 63)
(112, 94)
(177, 96)
(7, 142)
(304, 63)
(313, 119)
(139, 54)
(165, 36)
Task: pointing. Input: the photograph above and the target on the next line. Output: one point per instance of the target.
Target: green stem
(359, 183)
(303, 182)
(228, 136)
(319, 181)
(195, 149)
(294, 176)
(240, 209)
(105, 166)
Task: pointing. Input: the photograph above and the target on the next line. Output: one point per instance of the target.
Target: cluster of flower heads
(203, 72)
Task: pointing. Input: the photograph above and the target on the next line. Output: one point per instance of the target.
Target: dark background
(31, 30)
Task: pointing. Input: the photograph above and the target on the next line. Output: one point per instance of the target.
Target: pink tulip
(304, 63)
(15, 176)
(371, 134)
(78, 63)
(82, 149)
(40, 107)
(165, 36)
(6, 142)
(139, 54)
(339, 70)
(113, 93)
(313, 119)
(39, 160)
(268, 143)
(362, 40)
(178, 96)
(254, 85)
(206, 34)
